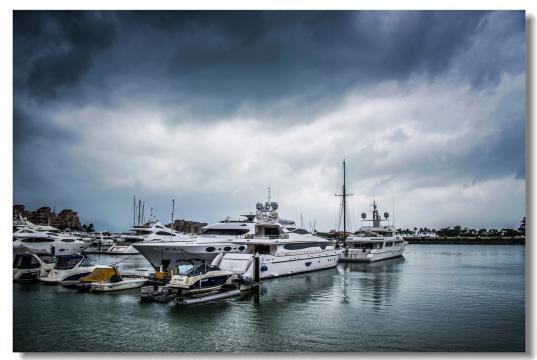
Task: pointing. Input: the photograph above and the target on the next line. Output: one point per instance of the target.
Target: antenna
(301, 222)
(143, 212)
(139, 209)
(269, 195)
(134, 211)
(173, 208)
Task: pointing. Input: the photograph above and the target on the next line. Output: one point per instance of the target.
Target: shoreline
(515, 240)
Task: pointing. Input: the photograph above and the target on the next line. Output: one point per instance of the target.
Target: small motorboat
(201, 279)
(162, 294)
(108, 278)
(68, 269)
(30, 265)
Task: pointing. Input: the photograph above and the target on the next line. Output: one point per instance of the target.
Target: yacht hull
(66, 277)
(357, 256)
(169, 254)
(125, 284)
(121, 250)
(272, 266)
(53, 248)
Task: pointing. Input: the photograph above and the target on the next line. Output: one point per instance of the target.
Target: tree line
(458, 230)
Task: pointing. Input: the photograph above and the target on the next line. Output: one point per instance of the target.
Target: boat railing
(265, 237)
(301, 252)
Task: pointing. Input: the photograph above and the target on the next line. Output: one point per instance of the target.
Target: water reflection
(298, 288)
(374, 283)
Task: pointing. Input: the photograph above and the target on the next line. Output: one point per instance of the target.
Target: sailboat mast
(344, 204)
(173, 209)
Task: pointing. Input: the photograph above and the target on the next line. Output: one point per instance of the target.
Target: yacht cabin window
(25, 262)
(232, 232)
(164, 233)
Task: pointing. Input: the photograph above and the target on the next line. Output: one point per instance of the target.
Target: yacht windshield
(67, 262)
(217, 231)
(25, 262)
(49, 259)
(201, 269)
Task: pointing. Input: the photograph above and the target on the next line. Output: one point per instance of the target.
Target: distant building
(67, 219)
(45, 216)
(187, 226)
(42, 216)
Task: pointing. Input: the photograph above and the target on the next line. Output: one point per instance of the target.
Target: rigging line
(128, 257)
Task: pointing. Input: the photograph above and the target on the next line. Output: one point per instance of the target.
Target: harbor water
(436, 298)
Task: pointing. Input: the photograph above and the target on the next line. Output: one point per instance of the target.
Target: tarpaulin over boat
(102, 274)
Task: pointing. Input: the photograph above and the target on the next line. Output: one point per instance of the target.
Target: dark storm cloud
(53, 50)
(231, 58)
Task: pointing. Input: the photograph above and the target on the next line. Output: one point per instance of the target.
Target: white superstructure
(148, 232)
(373, 243)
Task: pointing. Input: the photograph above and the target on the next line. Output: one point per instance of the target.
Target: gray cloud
(210, 107)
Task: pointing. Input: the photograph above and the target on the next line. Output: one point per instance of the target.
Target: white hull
(54, 248)
(126, 284)
(174, 252)
(29, 274)
(275, 266)
(122, 250)
(356, 255)
(66, 277)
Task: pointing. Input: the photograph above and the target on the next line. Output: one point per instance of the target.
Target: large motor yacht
(153, 230)
(50, 241)
(284, 249)
(373, 243)
(279, 251)
(215, 238)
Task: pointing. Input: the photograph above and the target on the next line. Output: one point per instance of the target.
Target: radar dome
(274, 205)
(259, 206)
(364, 215)
(274, 215)
(386, 215)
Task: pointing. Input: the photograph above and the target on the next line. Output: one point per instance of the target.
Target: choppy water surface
(436, 298)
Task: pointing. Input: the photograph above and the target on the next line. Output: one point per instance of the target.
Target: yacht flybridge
(151, 231)
(373, 243)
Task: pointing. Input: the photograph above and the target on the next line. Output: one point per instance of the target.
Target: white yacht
(47, 241)
(29, 266)
(284, 249)
(279, 252)
(150, 231)
(104, 238)
(215, 238)
(68, 269)
(373, 243)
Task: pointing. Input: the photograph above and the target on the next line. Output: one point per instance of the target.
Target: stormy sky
(212, 108)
